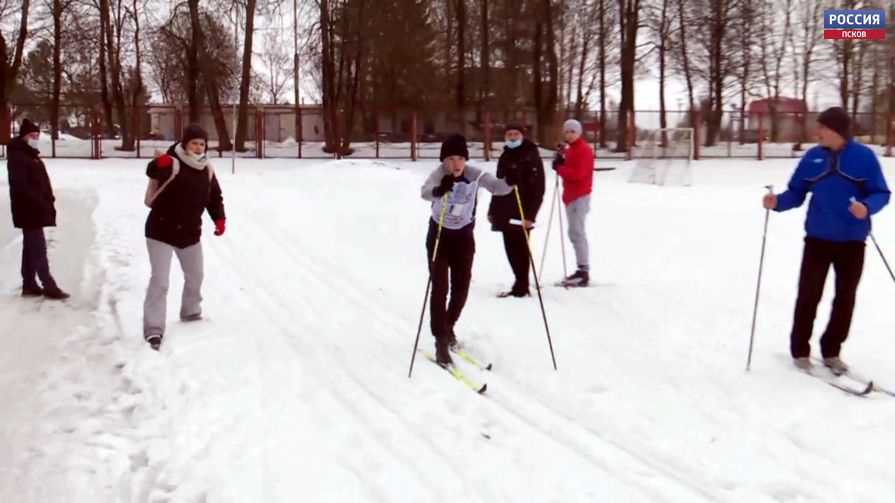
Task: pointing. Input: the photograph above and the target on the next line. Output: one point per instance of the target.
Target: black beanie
(28, 127)
(837, 119)
(193, 132)
(455, 144)
(514, 126)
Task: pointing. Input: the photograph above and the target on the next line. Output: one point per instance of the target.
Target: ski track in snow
(295, 386)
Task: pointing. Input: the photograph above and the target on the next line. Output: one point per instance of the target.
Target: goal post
(665, 156)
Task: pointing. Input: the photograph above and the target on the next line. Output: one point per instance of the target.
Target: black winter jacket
(525, 160)
(176, 216)
(30, 191)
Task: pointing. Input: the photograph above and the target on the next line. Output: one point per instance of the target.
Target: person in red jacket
(575, 164)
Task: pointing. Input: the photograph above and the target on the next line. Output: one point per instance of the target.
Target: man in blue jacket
(847, 187)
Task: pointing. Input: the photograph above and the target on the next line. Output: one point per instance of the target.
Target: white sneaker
(836, 365)
(803, 363)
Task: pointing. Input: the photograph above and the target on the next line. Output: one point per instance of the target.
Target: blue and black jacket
(833, 178)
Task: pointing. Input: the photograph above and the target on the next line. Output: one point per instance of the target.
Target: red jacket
(578, 171)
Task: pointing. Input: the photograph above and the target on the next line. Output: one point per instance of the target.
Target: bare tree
(773, 49)
(662, 25)
(198, 51)
(276, 60)
(806, 51)
(629, 24)
(245, 82)
(460, 6)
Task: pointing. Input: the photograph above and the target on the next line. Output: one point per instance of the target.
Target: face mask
(33, 143)
(513, 144)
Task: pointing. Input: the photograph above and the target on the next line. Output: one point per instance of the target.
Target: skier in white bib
(453, 190)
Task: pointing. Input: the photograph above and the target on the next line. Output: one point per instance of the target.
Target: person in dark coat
(182, 187)
(31, 195)
(847, 187)
(521, 157)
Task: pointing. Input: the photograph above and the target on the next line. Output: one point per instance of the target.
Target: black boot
(55, 294)
(515, 292)
(443, 353)
(32, 291)
(154, 340)
(579, 279)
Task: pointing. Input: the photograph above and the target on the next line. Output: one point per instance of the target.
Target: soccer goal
(664, 157)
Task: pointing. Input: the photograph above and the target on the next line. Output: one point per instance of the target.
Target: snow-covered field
(296, 388)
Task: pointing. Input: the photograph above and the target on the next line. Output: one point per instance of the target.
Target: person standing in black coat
(522, 160)
(31, 195)
(182, 187)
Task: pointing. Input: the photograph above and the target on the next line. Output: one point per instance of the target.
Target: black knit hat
(193, 132)
(837, 119)
(455, 144)
(514, 126)
(28, 127)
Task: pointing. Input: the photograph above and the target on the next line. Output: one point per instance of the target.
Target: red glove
(164, 161)
(219, 227)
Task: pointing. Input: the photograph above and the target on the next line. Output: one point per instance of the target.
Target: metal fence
(289, 132)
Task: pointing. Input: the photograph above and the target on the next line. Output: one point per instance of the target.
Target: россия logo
(854, 24)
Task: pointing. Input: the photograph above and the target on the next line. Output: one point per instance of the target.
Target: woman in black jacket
(182, 188)
(31, 195)
(522, 158)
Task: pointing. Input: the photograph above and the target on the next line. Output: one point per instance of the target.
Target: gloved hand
(219, 227)
(512, 177)
(447, 183)
(164, 161)
(559, 159)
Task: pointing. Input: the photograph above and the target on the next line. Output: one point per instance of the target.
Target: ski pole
(886, 262)
(562, 241)
(419, 328)
(549, 226)
(767, 215)
(878, 249)
(537, 283)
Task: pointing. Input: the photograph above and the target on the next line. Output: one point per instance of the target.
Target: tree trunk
(663, 31)
(602, 43)
(356, 78)
(211, 89)
(104, 23)
(242, 121)
(579, 100)
(537, 81)
(137, 91)
(628, 24)
(57, 71)
(113, 42)
(716, 75)
(844, 78)
(486, 58)
(328, 68)
(461, 55)
(9, 72)
(691, 106)
(552, 67)
(193, 72)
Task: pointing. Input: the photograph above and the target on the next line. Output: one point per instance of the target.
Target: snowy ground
(296, 387)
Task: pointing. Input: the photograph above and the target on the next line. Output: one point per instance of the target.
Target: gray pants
(155, 306)
(577, 211)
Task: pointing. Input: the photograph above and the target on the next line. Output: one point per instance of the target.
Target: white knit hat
(572, 125)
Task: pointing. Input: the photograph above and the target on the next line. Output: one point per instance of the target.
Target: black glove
(447, 183)
(559, 159)
(512, 176)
